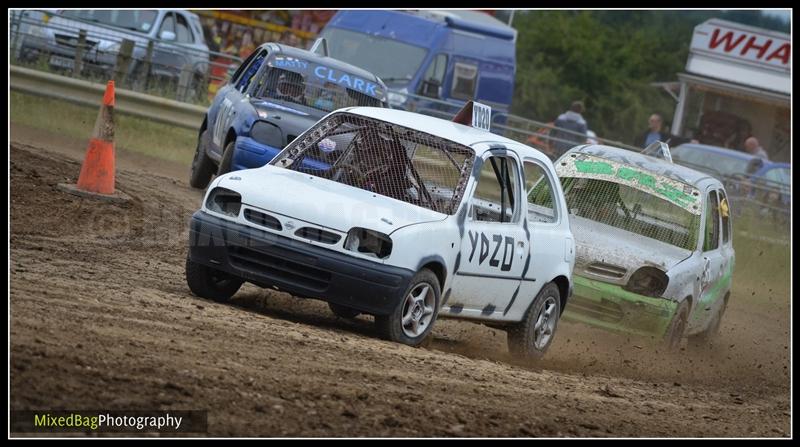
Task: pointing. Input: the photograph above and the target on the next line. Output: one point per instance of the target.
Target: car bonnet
(323, 202)
(612, 255)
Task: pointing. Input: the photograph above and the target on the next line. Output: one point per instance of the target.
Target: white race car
(398, 215)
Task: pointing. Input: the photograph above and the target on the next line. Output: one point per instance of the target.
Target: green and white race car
(654, 245)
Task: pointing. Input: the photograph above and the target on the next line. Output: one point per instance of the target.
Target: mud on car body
(275, 94)
(654, 244)
(399, 215)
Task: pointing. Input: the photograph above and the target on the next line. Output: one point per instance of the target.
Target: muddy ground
(101, 317)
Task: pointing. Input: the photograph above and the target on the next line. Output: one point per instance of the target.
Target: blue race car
(276, 94)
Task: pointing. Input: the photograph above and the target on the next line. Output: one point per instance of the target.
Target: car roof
(325, 60)
(656, 165)
(717, 150)
(776, 165)
(449, 130)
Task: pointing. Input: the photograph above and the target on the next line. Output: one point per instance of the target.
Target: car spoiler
(320, 47)
(658, 149)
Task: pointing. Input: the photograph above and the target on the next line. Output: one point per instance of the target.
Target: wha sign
(743, 44)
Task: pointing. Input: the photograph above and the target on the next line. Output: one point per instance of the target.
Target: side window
(251, 71)
(434, 77)
(184, 34)
(168, 24)
(496, 196)
(725, 212)
(711, 240)
(465, 77)
(237, 75)
(541, 205)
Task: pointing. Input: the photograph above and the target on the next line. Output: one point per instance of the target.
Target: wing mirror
(168, 35)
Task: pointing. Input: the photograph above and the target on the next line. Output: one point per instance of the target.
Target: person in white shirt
(752, 146)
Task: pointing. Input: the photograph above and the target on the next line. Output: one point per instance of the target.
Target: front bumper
(610, 307)
(267, 259)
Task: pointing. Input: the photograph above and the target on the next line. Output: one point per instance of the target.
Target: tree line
(608, 59)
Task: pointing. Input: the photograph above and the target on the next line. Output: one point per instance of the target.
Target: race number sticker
(481, 116)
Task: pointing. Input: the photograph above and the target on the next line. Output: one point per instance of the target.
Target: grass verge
(131, 133)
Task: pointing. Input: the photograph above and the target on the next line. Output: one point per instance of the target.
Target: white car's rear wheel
(531, 337)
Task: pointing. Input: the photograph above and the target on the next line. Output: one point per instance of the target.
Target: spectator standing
(752, 146)
(655, 132)
(572, 121)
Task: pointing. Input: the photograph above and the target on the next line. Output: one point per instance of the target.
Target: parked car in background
(274, 96)
(453, 56)
(720, 162)
(654, 242)
(177, 38)
(775, 175)
(744, 174)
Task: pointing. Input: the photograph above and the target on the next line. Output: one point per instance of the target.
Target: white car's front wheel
(413, 318)
(207, 282)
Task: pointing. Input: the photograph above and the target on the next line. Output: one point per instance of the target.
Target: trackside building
(737, 83)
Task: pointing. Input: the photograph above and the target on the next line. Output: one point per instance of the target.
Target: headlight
(367, 241)
(648, 281)
(224, 201)
(267, 133)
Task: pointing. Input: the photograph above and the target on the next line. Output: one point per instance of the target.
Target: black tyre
(207, 282)
(414, 316)
(677, 327)
(531, 337)
(202, 166)
(710, 334)
(227, 159)
(343, 311)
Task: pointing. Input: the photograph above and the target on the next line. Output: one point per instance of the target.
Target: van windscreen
(370, 53)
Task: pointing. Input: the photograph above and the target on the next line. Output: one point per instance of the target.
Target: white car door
(548, 244)
(495, 245)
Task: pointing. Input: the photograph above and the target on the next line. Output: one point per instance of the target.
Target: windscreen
(391, 60)
(632, 199)
(319, 87)
(384, 158)
(135, 20)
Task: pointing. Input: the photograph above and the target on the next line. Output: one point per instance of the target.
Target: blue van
(448, 56)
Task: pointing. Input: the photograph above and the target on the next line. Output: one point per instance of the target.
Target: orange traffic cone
(97, 172)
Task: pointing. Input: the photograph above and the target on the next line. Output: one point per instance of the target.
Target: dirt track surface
(101, 317)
